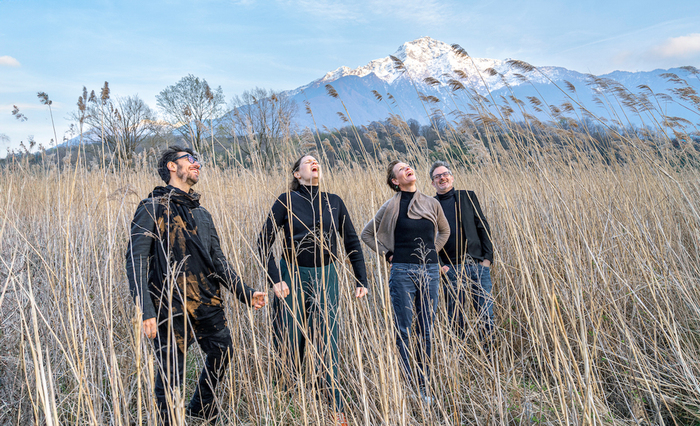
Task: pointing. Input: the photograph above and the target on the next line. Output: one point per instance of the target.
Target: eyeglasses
(191, 158)
(442, 175)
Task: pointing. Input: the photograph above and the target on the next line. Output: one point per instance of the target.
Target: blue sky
(141, 47)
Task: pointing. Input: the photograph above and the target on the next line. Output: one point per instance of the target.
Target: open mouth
(314, 168)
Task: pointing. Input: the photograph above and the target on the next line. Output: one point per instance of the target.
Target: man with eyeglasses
(175, 269)
(467, 256)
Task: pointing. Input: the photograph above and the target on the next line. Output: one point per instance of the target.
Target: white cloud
(678, 47)
(8, 61)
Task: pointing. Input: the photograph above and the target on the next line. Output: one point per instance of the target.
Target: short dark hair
(169, 155)
(437, 164)
(390, 175)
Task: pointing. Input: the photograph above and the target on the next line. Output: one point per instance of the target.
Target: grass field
(596, 284)
(595, 280)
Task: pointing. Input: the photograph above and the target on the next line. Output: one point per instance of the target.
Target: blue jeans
(469, 282)
(414, 288)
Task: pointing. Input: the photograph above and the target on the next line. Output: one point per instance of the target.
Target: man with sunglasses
(467, 256)
(175, 269)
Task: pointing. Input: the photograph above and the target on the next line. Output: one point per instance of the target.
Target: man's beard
(184, 172)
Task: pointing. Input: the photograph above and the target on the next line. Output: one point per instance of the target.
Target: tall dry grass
(595, 282)
(596, 288)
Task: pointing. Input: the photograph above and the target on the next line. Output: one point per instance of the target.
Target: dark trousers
(215, 342)
(414, 289)
(308, 316)
(464, 284)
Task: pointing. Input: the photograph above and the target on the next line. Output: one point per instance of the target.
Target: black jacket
(143, 241)
(299, 213)
(474, 225)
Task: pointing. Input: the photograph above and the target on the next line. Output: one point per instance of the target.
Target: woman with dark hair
(306, 284)
(409, 230)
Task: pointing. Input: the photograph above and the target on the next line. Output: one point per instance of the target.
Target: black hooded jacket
(145, 239)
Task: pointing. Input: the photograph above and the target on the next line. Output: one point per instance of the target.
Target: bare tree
(120, 123)
(264, 115)
(187, 106)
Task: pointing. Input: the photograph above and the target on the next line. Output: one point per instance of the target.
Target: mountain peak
(420, 57)
(423, 57)
(422, 49)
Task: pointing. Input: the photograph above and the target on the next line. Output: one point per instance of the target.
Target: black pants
(214, 339)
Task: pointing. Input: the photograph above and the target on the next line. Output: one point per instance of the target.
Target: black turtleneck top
(414, 239)
(456, 244)
(311, 221)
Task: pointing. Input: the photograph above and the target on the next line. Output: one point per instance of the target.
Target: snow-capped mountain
(423, 58)
(429, 71)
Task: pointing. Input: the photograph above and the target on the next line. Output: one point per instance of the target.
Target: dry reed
(595, 281)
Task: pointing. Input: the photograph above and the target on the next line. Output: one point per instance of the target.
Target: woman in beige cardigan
(409, 230)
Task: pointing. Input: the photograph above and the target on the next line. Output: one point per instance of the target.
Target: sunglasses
(191, 158)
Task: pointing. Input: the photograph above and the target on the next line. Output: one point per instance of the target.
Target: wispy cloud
(8, 61)
(415, 11)
(364, 11)
(331, 9)
(678, 47)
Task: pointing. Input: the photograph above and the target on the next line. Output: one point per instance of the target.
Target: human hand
(150, 328)
(486, 263)
(361, 292)
(259, 300)
(281, 290)
(444, 269)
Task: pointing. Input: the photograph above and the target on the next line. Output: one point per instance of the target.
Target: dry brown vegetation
(595, 280)
(596, 286)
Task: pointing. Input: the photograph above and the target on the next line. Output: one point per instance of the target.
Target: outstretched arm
(266, 239)
(268, 234)
(234, 283)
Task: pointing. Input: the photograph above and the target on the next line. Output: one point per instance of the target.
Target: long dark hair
(294, 185)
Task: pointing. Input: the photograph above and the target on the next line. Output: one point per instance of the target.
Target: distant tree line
(108, 129)
(257, 127)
